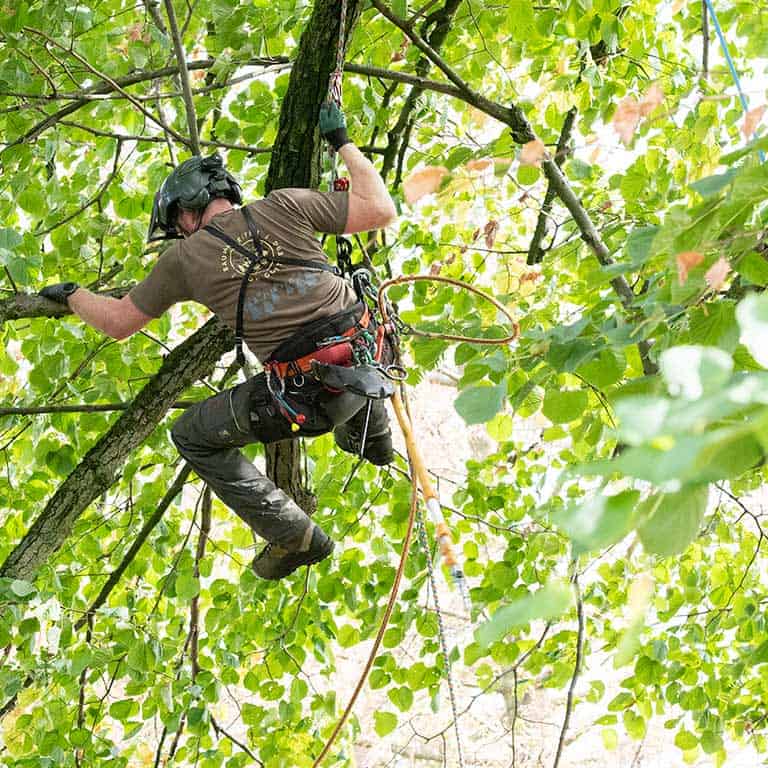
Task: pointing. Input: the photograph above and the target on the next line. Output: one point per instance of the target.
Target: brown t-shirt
(279, 299)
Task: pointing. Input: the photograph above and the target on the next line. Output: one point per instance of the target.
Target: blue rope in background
(726, 52)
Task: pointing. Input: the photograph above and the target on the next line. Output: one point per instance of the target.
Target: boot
(276, 562)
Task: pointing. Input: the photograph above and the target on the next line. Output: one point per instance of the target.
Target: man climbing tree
(263, 272)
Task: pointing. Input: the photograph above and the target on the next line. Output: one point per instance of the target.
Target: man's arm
(118, 318)
(370, 205)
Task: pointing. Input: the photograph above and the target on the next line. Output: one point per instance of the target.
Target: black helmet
(191, 185)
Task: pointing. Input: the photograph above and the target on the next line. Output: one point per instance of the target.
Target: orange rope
(382, 626)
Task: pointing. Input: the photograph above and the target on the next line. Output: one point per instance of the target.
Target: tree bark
(296, 162)
(189, 362)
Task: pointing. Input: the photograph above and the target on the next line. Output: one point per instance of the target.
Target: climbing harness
(258, 259)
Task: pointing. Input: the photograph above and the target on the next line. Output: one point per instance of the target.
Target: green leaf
(599, 521)
(22, 588)
(549, 602)
(712, 186)
(477, 405)
(674, 520)
(754, 267)
(187, 586)
(685, 740)
(563, 406)
(752, 314)
(693, 371)
(400, 8)
(122, 709)
(384, 722)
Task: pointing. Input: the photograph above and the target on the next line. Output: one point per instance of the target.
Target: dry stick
(576, 667)
(535, 251)
(184, 76)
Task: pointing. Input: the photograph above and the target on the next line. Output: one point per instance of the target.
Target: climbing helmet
(191, 185)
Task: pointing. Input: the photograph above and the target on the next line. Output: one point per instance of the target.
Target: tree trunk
(296, 162)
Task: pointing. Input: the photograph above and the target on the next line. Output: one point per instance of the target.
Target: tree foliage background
(128, 609)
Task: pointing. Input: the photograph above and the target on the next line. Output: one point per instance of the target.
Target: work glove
(60, 292)
(333, 126)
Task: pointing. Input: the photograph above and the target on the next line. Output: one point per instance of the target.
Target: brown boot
(276, 562)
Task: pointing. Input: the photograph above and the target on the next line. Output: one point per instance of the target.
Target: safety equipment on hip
(191, 185)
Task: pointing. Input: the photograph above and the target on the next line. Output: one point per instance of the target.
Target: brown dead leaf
(424, 182)
(716, 274)
(626, 118)
(594, 155)
(490, 230)
(677, 6)
(686, 261)
(478, 165)
(533, 153)
(751, 121)
(435, 268)
(134, 33)
(654, 97)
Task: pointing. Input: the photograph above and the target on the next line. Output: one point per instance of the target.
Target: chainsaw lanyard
(258, 259)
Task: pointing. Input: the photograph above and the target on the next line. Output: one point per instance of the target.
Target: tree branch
(81, 408)
(172, 492)
(190, 361)
(535, 251)
(28, 305)
(189, 104)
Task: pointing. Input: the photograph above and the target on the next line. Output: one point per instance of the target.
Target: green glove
(60, 292)
(333, 126)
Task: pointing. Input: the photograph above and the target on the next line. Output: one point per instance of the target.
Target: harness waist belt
(335, 353)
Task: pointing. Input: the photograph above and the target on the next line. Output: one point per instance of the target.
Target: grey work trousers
(209, 434)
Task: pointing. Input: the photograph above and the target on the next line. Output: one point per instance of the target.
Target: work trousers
(209, 435)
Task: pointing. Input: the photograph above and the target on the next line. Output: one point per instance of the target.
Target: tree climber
(264, 260)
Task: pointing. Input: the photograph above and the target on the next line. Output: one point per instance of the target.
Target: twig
(194, 619)
(219, 729)
(576, 666)
(95, 199)
(115, 85)
(141, 537)
(704, 41)
(82, 408)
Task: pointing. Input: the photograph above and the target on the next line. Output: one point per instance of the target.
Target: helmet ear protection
(191, 185)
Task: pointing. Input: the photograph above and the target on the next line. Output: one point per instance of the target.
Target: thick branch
(512, 116)
(189, 104)
(190, 361)
(29, 305)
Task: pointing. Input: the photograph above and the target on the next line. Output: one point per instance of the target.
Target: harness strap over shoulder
(255, 260)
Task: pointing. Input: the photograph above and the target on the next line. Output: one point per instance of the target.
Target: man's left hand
(60, 292)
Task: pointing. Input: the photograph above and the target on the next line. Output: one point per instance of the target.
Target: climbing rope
(729, 60)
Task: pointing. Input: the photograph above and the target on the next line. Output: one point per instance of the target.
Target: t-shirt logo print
(237, 264)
